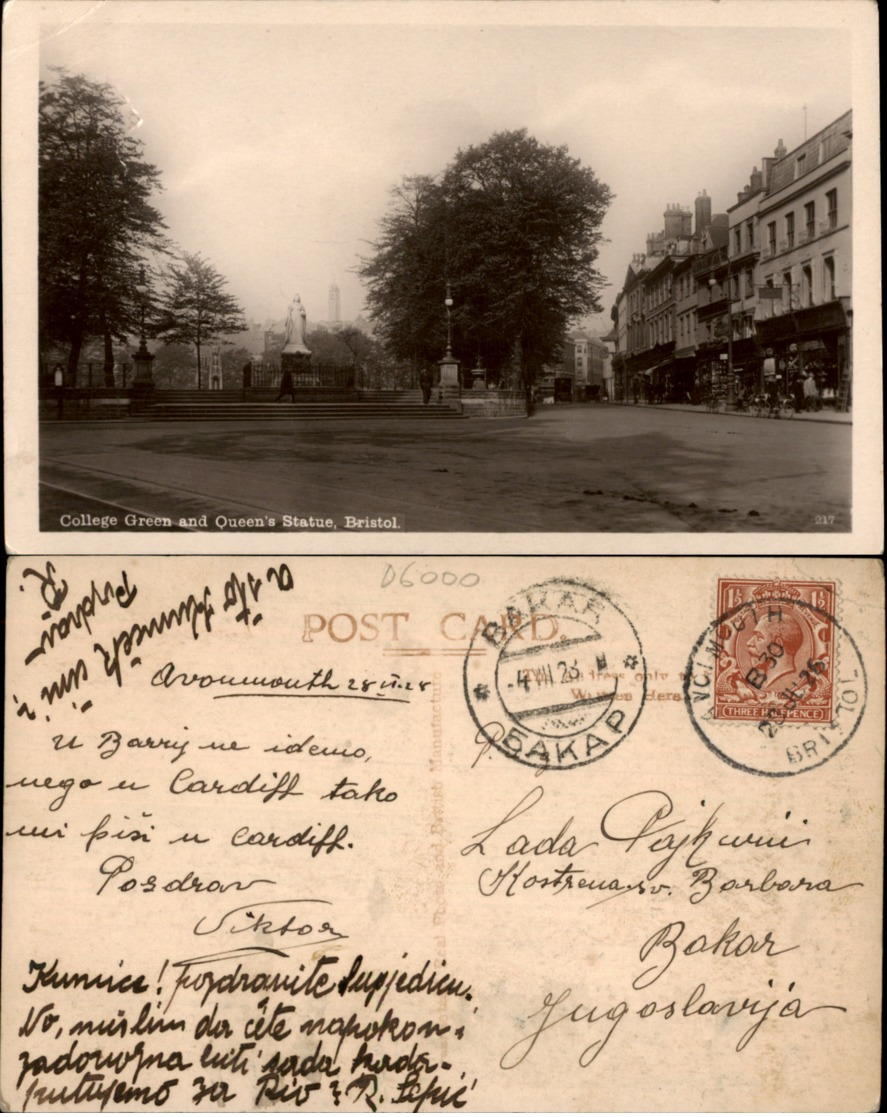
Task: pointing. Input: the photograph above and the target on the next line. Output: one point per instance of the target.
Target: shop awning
(808, 320)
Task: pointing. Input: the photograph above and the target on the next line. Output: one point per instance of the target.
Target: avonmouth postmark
(563, 681)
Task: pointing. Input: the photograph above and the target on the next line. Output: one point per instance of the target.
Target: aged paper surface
(138, 477)
(559, 834)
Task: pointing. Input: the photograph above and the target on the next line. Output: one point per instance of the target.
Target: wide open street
(568, 469)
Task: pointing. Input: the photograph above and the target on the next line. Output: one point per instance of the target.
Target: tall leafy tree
(405, 275)
(514, 225)
(195, 307)
(96, 221)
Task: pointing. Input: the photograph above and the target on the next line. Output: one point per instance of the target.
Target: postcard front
(442, 833)
(304, 320)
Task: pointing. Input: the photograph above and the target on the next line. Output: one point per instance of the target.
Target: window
(790, 292)
(807, 284)
(790, 230)
(800, 165)
(831, 201)
(737, 241)
(771, 236)
(828, 278)
(810, 218)
(749, 234)
(734, 286)
(749, 282)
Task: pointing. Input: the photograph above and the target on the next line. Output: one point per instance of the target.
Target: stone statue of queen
(296, 339)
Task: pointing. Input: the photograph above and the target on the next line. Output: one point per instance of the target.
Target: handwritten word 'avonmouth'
(322, 683)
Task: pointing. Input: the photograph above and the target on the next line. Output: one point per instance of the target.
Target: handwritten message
(247, 1025)
(265, 847)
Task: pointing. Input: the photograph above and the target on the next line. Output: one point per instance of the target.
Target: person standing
(811, 393)
(58, 379)
(770, 377)
(286, 387)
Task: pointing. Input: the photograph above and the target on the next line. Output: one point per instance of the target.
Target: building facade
(700, 311)
(806, 255)
(655, 360)
(586, 359)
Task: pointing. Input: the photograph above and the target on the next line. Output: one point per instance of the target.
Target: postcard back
(430, 834)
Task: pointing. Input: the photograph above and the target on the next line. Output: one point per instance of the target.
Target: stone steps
(189, 395)
(222, 412)
(390, 395)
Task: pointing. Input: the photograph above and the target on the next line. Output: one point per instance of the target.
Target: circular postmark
(557, 678)
(775, 685)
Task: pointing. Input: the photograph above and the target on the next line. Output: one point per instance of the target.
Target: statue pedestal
(295, 363)
(142, 365)
(142, 390)
(449, 390)
(449, 372)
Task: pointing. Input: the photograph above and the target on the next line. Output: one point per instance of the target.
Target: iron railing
(267, 375)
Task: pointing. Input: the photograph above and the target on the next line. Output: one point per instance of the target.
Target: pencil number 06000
(412, 575)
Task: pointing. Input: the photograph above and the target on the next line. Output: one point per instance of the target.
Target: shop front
(683, 376)
(813, 341)
(747, 362)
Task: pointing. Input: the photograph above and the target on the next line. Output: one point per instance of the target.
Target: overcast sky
(279, 128)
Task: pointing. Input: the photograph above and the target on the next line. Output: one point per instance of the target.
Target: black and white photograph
(534, 274)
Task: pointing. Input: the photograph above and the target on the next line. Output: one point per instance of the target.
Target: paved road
(569, 469)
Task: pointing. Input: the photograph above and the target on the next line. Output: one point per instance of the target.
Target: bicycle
(715, 403)
(759, 406)
(774, 407)
(783, 407)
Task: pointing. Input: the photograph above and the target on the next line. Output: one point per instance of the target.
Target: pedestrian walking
(425, 385)
(286, 387)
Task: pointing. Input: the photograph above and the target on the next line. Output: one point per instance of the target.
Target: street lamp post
(795, 363)
(449, 366)
(712, 281)
(142, 358)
